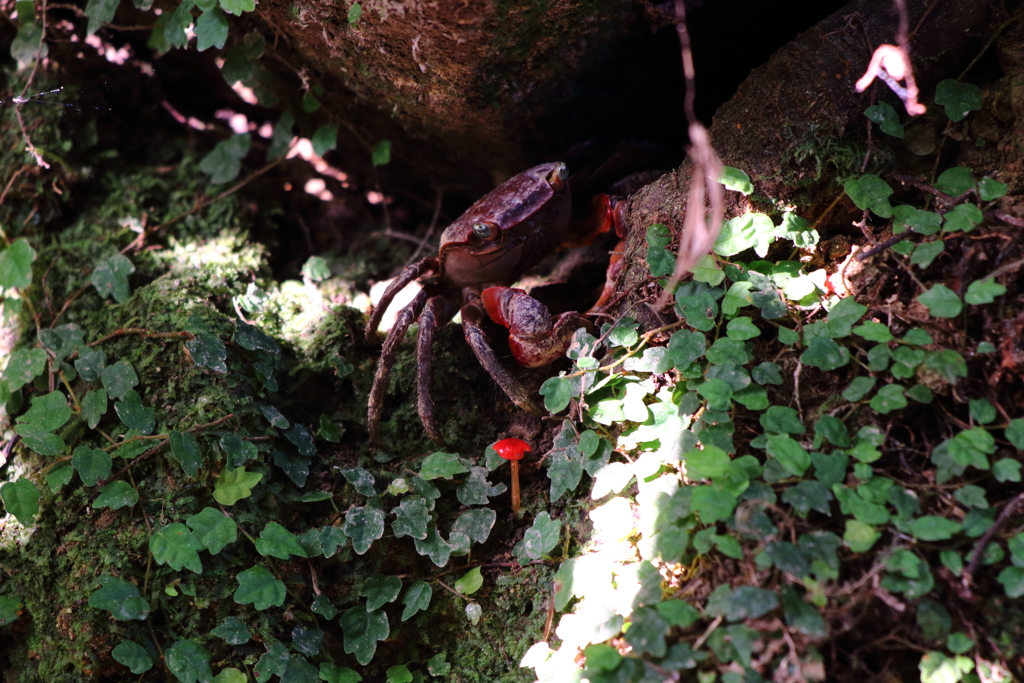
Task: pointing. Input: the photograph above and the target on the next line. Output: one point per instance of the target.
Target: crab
(497, 240)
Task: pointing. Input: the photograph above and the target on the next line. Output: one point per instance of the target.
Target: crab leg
(387, 358)
(535, 339)
(411, 272)
(472, 314)
(435, 310)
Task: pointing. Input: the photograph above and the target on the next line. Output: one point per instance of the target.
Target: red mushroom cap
(511, 449)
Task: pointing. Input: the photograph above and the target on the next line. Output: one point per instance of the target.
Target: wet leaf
(258, 587)
(132, 655)
(119, 597)
(21, 499)
(110, 278)
(959, 100)
(380, 590)
(116, 495)
(416, 599)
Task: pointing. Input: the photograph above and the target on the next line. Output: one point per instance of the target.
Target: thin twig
(979, 548)
(430, 230)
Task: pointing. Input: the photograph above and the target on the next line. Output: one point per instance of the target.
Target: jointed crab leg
(472, 314)
(387, 357)
(435, 311)
(410, 273)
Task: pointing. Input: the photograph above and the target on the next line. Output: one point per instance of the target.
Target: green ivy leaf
(741, 233)
(712, 504)
(825, 354)
(476, 490)
(237, 7)
(647, 632)
(224, 161)
(99, 12)
(23, 366)
(211, 29)
(92, 464)
(185, 450)
(362, 631)
(789, 453)
(232, 631)
(983, 292)
(213, 529)
(885, 116)
(258, 587)
(860, 536)
(273, 662)
(21, 499)
(959, 99)
(306, 640)
(132, 655)
(234, 484)
(119, 597)
(364, 525)
(276, 541)
(94, 406)
(116, 495)
(539, 540)
(470, 582)
(135, 415)
(379, 590)
(1006, 469)
(843, 315)
(231, 675)
(110, 278)
(921, 222)
(736, 180)
(740, 603)
(476, 524)
(1012, 579)
(889, 398)
(47, 414)
(176, 546)
(119, 378)
(324, 140)
(971, 448)
(208, 351)
(354, 13)
(58, 477)
(411, 517)
(807, 496)
(941, 302)
(870, 193)
(441, 466)
(238, 451)
(955, 181)
(934, 528)
(927, 252)
(416, 599)
(801, 615)
(964, 218)
(189, 662)
(557, 392)
(338, 674)
(16, 260)
(991, 189)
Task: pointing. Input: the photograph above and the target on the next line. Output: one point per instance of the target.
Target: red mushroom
(513, 450)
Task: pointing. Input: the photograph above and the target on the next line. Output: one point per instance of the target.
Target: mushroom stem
(515, 487)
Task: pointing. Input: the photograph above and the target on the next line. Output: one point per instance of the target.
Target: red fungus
(513, 450)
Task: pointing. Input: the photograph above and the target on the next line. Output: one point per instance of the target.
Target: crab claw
(534, 338)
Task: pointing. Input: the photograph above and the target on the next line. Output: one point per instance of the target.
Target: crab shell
(528, 217)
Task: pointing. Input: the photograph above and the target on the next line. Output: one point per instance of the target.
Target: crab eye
(558, 176)
(485, 230)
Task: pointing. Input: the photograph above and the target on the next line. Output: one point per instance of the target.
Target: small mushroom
(513, 450)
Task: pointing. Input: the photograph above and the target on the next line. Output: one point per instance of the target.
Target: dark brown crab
(500, 237)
